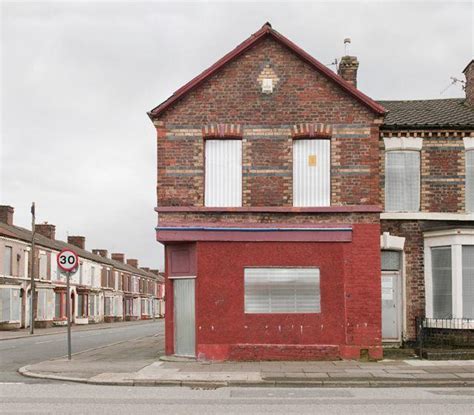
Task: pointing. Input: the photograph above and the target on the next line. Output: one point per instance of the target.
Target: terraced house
(304, 220)
(102, 289)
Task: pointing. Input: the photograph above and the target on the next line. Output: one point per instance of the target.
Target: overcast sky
(77, 79)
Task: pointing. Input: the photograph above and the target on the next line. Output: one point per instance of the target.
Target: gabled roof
(429, 113)
(22, 234)
(265, 31)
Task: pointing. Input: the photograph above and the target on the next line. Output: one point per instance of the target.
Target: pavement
(136, 363)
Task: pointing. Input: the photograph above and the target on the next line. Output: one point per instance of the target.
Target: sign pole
(32, 271)
(68, 309)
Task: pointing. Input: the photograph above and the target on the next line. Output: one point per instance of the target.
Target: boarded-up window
(442, 282)
(390, 260)
(468, 281)
(402, 181)
(43, 266)
(470, 181)
(10, 304)
(7, 260)
(46, 307)
(311, 173)
(223, 177)
(282, 290)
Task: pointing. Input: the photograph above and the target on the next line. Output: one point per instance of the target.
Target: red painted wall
(350, 301)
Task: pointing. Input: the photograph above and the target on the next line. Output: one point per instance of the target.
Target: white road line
(48, 341)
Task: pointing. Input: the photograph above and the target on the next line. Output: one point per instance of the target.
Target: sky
(77, 79)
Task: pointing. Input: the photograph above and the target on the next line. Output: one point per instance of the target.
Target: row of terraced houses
(103, 289)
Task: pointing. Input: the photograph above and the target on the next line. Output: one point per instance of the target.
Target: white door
(184, 317)
(391, 306)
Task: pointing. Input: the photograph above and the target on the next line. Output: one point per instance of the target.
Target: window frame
(206, 195)
(386, 192)
(8, 248)
(247, 310)
(456, 239)
(469, 181)
(328, 197)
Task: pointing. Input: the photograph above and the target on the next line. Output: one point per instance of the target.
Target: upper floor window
(402, 174)
(311, 172)
(43, 265)
(7, 260)
(470, 180)
(223, 173)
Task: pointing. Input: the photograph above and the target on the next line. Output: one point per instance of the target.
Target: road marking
(48, 341)
(12, 383)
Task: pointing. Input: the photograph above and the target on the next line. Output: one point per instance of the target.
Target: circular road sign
(67, 260)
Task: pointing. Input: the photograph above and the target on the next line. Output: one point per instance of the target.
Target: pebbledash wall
(306, 102)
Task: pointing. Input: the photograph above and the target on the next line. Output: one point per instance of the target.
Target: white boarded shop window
(311, 172)
(402, 181)
(10, 303)
(282, 290)
(223, 175)
(470, 181)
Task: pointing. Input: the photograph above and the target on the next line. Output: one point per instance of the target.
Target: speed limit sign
(67, 260)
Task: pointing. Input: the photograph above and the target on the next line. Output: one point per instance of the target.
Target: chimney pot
(6, 214)
(101, 252)
(118, 257)
(469, 88)
(79, 241)
(348, 69)
(46, 229)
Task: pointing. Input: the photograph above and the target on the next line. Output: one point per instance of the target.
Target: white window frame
(401, 145)
(210, 198)
(267, 270)
(456, 239)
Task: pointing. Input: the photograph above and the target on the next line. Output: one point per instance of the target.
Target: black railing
(444, 332)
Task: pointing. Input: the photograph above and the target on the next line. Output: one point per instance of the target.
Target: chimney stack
(6, 214)
(101, 252)
(145, 269)
(79, 241)
(46, 229)
(132, 262)
(347, 69)
(155, 271)
(119, 257)
(469, 88)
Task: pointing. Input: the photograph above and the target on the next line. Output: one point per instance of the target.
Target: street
(78, 398)
(16, 353)
(20, 394)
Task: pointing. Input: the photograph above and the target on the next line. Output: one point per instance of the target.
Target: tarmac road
(16, 353)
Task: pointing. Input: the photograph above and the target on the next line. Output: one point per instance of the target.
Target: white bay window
(449, 274)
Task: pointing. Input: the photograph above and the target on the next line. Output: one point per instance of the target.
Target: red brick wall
(233, 96)
(350, 301)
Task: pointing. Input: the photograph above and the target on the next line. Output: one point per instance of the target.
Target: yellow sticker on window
(312, 160)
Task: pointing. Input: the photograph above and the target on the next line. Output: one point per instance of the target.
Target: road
(16, 353)
(80, 399)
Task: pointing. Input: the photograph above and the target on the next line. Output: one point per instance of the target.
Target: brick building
(271, 191)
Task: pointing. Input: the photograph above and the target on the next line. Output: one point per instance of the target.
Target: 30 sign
(67, 260)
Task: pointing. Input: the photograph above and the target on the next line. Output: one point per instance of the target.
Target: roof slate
(430, 113)
(23, 234)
